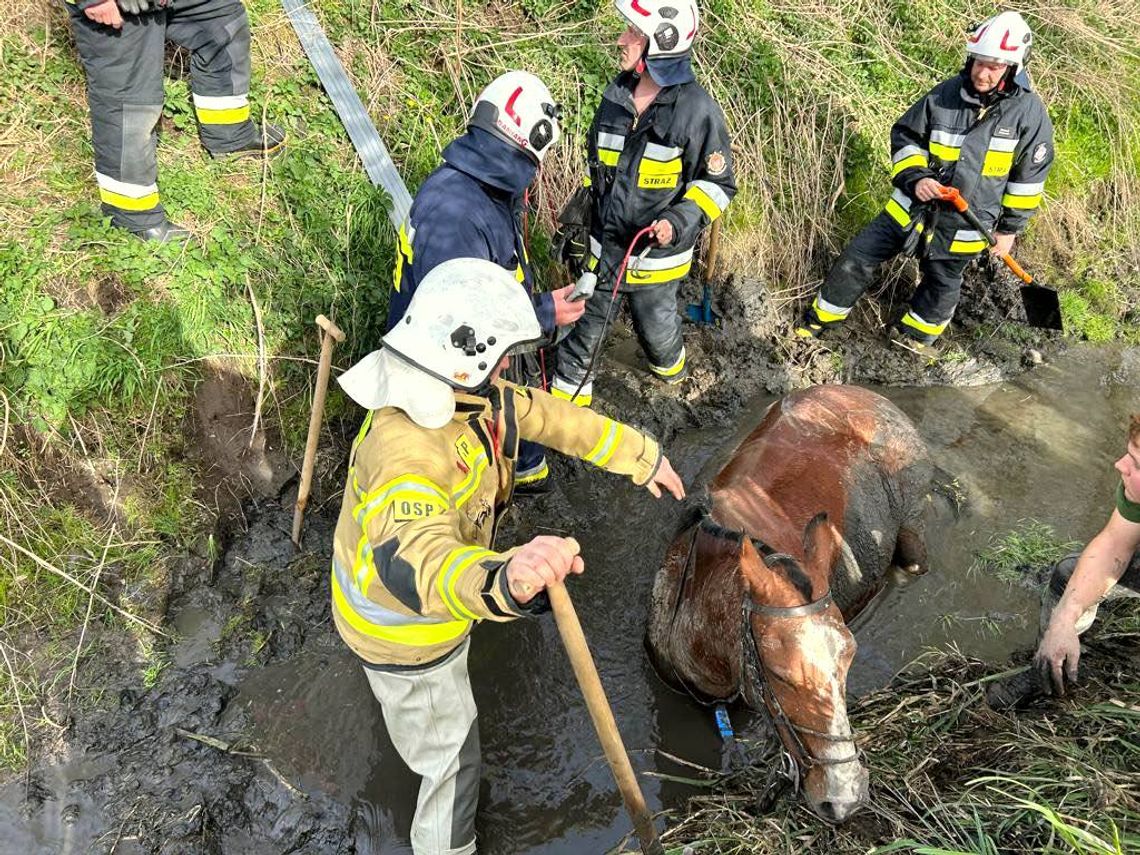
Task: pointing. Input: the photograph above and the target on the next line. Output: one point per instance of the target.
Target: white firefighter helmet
(465, 316)
(517, 107)
(1003, 38)
(670, 25)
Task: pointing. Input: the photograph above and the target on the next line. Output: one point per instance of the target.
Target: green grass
(1029, 547)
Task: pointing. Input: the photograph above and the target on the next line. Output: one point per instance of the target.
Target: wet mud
(261, 736)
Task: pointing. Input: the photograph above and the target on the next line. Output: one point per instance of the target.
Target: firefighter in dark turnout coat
(985, 132)
(122, 44)
(659, 155)
(471, 207)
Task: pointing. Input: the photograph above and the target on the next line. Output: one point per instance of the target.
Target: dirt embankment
(171, 768)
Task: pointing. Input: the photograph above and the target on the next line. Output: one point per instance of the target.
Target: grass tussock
(951, 777)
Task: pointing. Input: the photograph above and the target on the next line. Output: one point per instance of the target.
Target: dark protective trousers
(936, 297)
(1128, 586)
(531, 466)
(656, 322)
(124, 92)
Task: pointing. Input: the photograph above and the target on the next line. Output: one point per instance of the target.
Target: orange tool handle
(954, 196)
(1016, 268)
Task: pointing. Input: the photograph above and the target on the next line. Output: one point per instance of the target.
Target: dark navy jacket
(470, 207)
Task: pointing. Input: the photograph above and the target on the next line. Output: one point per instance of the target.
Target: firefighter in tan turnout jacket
(985, 132)
(414, 563)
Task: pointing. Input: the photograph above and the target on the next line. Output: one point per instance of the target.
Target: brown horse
(754, 595)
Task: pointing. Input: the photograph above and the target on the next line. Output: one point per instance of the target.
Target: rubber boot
(164, 232)
(269, 142)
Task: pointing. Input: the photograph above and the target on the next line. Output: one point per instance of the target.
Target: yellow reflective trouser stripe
(1012, 201)
(593, 262)
(910, 319)
(945, 152)
(537, 475)
(907, 163)
(232, 116)
(608, 156)
(704, 202)
(129, 203)
(650, 277)
(997, 163)
(584, 399)
(601, 453)
(826, 316)
(898, 213)
(404, 255)
(470, 484)
(967, 246)
(415, 487)
(673, 370)
(456, 563)
(412, 634)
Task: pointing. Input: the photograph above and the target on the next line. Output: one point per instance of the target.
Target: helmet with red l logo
(518, 108)
(1003, 38)
(670, 25)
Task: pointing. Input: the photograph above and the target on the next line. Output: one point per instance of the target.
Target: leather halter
(780, 720)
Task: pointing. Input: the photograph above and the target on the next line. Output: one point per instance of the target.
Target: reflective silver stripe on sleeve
(372, 611)
(968, 235)
(947, 139)
(901, 198)
(713, 191)
(1016, 188)
(907, 151)
(611, 141)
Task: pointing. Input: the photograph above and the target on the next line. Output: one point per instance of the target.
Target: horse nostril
(836, 812)
(827, 811)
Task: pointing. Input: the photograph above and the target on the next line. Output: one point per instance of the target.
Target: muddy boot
(164, 232)
(929, 348)
(1015, 691)
(269, 142)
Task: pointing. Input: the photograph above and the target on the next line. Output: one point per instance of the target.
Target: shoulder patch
(1040, 152)
(716, 163)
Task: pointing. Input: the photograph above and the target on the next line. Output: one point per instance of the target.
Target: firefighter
(414, 565)
(471, 206)
(659, 156)
(983, 131)
(122, 45)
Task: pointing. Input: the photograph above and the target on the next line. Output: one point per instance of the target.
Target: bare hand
(546, 560)
(106, 13)
(1058, 656)
(666, 477)
(566, 312)
(662, 232)
(1004, 244)
(927, 190)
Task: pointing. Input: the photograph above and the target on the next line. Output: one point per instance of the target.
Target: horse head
(803, 652)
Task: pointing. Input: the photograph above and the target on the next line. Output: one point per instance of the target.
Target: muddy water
(1037, 447)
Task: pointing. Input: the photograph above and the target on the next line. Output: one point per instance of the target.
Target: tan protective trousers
(431, 719)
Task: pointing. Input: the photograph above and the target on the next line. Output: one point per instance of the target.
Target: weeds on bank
(1014, 556)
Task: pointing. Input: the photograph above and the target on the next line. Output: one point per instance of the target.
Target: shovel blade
(1042, 307)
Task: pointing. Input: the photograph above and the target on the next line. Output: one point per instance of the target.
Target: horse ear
(750, 564)
(819, 546)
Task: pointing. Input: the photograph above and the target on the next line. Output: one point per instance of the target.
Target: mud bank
(247, 741)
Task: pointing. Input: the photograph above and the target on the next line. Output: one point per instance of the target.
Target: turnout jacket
(470, 207)
(673, 162)
(414, 565)
(997, 156)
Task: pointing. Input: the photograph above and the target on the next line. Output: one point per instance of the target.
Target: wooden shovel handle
(591, 685)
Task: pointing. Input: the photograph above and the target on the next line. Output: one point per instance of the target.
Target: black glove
(136, 7)
(572, 239)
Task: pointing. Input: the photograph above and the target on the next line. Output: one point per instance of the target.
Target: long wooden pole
(712, 250)
(331, 334)
(583, 663)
